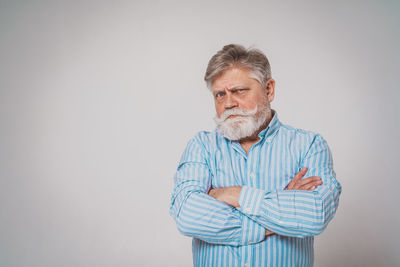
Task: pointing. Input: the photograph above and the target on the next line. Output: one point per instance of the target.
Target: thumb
(300, 174)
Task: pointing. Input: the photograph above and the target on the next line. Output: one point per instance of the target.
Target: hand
(307, 184)
(229, 195)
(268, 232)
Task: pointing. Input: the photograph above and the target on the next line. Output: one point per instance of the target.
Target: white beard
(245, 125)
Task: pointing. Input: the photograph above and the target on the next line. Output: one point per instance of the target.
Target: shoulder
(301, 140)
(298, 134)
(201, 146)
(208, 140)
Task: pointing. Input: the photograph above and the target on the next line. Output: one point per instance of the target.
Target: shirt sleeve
(199, 215)
(293, 212)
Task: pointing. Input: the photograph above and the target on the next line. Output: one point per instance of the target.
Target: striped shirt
(228, 236)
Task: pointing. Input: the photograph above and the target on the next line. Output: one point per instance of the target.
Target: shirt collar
(272, 127)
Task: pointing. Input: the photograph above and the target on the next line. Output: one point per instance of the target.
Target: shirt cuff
(252, 232)
(250, 200)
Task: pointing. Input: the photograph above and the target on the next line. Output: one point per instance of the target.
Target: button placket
(250, 171)
(246, 255)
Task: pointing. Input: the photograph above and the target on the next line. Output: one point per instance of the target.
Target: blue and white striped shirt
(228, 236)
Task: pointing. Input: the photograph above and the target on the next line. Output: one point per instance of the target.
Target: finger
(309, 180)
(309, 184)
(315, 182)
(300, 174)
(268, 232)
(312, 188)
(212, 193)
(297, 178)
(309, 187)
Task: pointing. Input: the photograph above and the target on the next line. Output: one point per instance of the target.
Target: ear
(270, 86)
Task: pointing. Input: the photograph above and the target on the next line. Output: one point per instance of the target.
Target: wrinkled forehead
(233, 78)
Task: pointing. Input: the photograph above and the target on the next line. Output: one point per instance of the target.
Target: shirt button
(246, 264)
(252, 175)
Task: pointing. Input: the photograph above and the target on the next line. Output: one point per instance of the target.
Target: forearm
(200, 216)
(251, 200)
(291, 212)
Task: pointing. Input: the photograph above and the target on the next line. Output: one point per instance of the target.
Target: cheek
(248, 104)
(256, 100)
(219, 109)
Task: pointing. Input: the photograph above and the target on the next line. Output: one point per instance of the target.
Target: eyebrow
(238, 87)
(232, 89)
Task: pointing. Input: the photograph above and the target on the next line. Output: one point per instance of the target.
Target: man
(254, 192)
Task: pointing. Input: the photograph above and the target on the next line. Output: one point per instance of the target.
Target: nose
(230, 102)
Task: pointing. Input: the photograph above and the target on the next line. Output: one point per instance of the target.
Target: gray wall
(98, 100)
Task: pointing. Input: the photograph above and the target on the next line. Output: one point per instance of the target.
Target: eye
(219, 94)
(239, 91)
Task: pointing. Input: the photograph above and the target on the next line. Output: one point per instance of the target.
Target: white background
(99, 98)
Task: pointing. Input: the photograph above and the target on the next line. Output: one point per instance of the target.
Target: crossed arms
(245, 215)
(230, 195)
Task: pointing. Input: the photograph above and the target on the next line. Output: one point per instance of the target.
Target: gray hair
(234, 55)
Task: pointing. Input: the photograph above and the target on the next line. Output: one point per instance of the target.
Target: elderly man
(254, 192)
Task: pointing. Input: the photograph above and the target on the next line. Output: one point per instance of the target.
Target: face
(241, 103)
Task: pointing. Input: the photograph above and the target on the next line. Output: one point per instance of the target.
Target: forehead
(231, 78)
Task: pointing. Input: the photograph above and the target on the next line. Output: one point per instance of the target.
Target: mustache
(235, 111)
